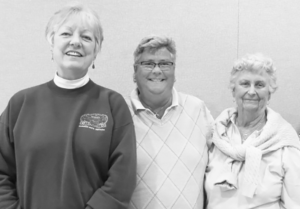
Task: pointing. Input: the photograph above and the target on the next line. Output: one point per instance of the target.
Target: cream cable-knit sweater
(275, 135)
(171, 153)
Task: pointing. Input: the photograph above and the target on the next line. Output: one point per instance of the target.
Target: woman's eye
(260, 85)
(87, 38)
(244, 84)
(65, 34)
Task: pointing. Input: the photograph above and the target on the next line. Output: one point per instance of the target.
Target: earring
(51, 55)
(93, 66)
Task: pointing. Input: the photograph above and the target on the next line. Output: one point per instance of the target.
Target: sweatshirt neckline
(70, 84)
(70, 92)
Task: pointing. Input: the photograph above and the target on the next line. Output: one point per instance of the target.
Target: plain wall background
(209, 34)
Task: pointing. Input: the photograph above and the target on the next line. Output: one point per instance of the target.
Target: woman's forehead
(160, 53)
(254, 74)
(78, 20)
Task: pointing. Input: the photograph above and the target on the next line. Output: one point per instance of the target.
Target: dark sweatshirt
(66, 149)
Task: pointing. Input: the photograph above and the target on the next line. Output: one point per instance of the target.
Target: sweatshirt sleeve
(290, 196)
(8, 192)
(119, 186)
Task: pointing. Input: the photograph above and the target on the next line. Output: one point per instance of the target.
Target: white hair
(254, 63)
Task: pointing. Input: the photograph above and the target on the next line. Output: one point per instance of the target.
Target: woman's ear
(233, 92)
(97, 49)
(52, 43)
(269, 96)
(134, 68)
(134, 77)
(50, 39)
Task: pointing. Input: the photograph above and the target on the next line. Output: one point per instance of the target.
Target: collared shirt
(234, 132)
(70, 84)
(140, 107)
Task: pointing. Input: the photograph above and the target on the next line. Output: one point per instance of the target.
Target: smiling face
(74, 48)
(155, 82)
(251, 91)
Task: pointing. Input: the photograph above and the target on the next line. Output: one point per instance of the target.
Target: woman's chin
(72, 72)
(251, 108)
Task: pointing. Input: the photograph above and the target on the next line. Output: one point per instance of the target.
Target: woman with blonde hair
(68, 143)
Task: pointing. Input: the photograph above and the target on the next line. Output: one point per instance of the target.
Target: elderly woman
(68, 143)
(253, 161)
(172, 130)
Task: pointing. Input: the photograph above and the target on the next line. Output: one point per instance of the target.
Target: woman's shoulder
(108, 93)
(28, 92)
(195, 108)
(17, 101)
(106, 90)
(187, 99)
(114, 98)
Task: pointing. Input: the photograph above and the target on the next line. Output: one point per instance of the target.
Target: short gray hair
(154, 43)
(89, 16)
(254, 63)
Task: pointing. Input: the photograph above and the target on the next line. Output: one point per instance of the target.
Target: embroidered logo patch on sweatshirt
(94, 121)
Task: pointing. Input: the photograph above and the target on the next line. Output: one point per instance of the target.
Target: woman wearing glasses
(172, 129)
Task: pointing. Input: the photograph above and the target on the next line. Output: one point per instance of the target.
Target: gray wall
(210, 35)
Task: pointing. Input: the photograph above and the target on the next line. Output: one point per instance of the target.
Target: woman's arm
(119, 186)
(8, 192)
(290, 196)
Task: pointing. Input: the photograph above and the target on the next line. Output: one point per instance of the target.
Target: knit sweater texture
(233, 171)
(171, 153)
(66, 148)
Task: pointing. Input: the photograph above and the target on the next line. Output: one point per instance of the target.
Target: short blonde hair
(254, 63)
(154, 43)
(88, 15)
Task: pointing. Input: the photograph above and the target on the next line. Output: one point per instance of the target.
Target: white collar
(139, 106)
(70, 84)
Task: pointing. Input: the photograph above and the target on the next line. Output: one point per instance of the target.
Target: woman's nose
(75, 41)
(252, 90)
(156, 69)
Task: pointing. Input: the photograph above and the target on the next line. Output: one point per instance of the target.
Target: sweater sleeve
(208, 124)
(8, 191)
(119, 186)
(290, 196)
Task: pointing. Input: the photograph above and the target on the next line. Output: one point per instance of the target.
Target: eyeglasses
(163, 66)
